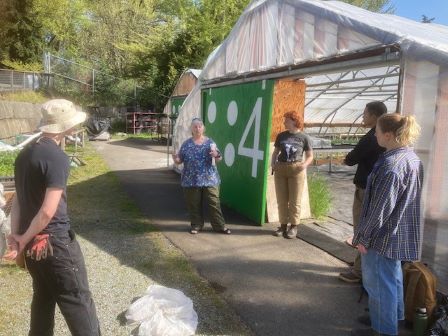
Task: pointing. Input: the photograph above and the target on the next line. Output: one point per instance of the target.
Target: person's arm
(42, 218)
(15, 215)
(218, 156)
(308, 158)
(362, 149)
(215, 153)
(383, 199)
(13, 246)
(308, 149)
(177, 157)
(274, 156)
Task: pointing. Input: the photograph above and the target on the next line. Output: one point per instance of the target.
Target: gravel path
(116, 285)
(113, 286)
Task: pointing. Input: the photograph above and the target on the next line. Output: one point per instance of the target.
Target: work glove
(41, 247)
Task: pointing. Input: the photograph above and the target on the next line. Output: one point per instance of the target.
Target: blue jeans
(383, 280)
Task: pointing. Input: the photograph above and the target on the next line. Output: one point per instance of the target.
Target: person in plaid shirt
(390, 226)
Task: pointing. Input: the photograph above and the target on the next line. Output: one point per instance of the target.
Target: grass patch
(7, 163)
(320, 196)
(136, 136)
(34, 97)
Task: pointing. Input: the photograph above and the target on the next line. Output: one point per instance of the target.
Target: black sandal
(226, 231)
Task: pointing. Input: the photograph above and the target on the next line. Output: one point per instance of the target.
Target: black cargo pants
(62, 279)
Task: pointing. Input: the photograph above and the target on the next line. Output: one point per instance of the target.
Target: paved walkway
(277, 286)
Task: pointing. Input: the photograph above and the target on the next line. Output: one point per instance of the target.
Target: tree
(21, 35)
(192, 30)
(382, 6)
(426, 19)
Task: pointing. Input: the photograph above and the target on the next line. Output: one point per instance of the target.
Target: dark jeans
(62, 279)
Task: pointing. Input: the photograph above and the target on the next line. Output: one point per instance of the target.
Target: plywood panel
(185, 84)
(289, 95)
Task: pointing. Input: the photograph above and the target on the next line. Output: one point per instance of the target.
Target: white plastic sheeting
(272, 34)
(163, 311)
(277, 37)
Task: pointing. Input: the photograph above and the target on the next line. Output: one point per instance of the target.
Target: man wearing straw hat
(41, 228)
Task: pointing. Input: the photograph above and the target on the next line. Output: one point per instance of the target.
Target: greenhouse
(326, 59)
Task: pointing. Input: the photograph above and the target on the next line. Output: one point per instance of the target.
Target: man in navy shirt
(40, 228)
(365, 154)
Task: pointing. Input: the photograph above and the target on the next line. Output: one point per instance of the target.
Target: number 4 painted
(254, 152)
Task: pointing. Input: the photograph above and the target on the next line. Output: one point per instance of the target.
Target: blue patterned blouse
(198, 168)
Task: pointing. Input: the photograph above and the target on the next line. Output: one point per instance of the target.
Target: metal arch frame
(332, 114)
(329, 87)
(354, 122)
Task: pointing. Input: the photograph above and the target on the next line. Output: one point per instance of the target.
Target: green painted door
(238, 118)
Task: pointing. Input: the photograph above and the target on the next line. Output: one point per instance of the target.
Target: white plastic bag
(163, 311)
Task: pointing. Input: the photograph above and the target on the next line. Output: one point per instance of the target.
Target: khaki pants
(194, 196)
(289, 183)
(357, 208)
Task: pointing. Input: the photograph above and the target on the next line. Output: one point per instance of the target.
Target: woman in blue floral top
(200, 179)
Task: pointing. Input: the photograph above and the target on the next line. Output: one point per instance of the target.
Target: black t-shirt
(41, 165)
(292, 146)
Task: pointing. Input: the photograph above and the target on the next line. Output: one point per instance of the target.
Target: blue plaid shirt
(391, 219)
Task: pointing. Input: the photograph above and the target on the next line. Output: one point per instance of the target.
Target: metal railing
(12, 80)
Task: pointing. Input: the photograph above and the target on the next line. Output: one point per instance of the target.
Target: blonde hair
(405, 128)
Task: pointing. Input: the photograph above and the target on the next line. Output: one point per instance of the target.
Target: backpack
(419, 289)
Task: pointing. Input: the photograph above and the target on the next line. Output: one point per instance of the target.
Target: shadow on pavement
(264, 278)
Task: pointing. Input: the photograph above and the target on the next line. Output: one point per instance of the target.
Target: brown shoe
(281, 230)
(349, 277)
(292, 232)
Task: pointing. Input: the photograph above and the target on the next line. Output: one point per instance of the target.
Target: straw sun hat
(59, 115)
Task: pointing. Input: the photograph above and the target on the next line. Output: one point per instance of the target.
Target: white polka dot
(211, 112)
(229, 154)
(232, 113)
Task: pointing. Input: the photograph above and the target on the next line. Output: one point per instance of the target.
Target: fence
(12, 80)
(87, 79)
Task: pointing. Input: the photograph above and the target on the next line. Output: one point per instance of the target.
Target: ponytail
(405, 128)
(409, 132)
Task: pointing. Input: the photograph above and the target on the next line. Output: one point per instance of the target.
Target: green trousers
(194, 197)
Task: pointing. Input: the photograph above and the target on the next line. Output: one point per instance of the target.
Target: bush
(118, 125)
(320, 196)
(7, 163)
